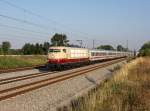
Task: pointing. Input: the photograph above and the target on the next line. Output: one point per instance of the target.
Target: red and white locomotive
(60, 56)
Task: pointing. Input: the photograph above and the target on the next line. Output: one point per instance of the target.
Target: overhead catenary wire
(22, 37)
(23, 21)
(25, 35)
(62, 29)
(26, 22)
(24, 29)
(82, 34)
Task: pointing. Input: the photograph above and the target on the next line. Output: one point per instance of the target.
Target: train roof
(63, 47)
(92, 50)
(100, 50)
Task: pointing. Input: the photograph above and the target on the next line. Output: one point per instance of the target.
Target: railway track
(24, 77)
(21, 89)
(7, 70)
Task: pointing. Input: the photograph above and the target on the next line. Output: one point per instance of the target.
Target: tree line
(56, 40)
(27, 49)
(145, 49)
(5, 47)
(61, 40)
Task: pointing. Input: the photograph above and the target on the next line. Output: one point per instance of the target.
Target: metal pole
(81, 42)
(93, 44)
(127, 45)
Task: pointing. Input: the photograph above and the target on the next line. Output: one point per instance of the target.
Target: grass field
(21, 61)
(128, 90)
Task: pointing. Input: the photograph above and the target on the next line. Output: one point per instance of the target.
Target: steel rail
(24, 77)
(29, 76)
(18, 90)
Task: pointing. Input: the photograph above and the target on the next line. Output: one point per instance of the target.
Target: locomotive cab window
(64, 50)
(54, 50)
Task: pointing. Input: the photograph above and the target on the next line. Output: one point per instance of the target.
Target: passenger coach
(61, 56)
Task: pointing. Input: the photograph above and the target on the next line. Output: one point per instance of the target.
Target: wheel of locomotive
(58, 67)
(50, 67)
(47, 66)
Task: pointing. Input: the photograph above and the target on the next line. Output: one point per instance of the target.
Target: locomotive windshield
(54, 50)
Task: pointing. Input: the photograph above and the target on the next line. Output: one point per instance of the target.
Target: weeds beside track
(128, 90)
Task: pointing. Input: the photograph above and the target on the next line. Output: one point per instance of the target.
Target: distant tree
(6, 47)
(28, 49)
(59, 40)
(121, 48)
(106, 47)
(15, 52)
(46, 46)
(41, 50)
(32, 49)
(37, 48)
(145, 49)
(1, 51)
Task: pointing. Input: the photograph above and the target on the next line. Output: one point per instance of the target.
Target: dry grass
(128, 90)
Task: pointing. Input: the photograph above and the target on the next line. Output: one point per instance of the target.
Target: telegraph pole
(81, 42)
(127, 45)
(93, 44)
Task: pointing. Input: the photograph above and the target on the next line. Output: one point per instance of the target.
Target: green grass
(128, 90)
(21, 61)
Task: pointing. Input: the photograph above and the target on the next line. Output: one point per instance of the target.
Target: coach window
(54, 50)
(92, 54)
(64, 50)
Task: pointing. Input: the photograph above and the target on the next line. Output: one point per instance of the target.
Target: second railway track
(21, 89)
(24, 77)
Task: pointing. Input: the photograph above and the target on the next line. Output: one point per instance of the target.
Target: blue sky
(106, 21)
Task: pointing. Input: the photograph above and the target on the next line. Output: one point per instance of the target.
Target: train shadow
(42, 69)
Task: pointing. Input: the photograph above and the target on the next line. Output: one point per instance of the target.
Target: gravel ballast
(51, 97)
